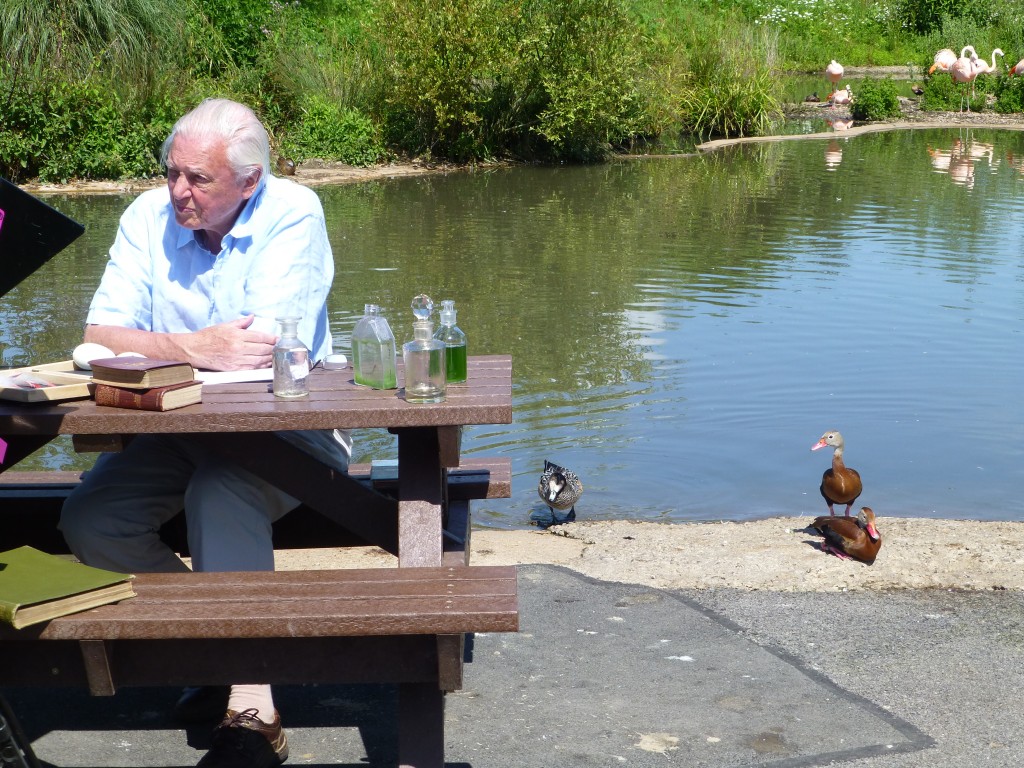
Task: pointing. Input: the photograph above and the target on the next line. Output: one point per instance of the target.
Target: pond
(683, 330)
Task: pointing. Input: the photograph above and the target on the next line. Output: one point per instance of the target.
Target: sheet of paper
(230, 377)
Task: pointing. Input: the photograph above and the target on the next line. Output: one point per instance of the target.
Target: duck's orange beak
(819, 444)
(873, 532)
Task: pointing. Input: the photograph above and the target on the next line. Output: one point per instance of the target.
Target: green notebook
(35, 586)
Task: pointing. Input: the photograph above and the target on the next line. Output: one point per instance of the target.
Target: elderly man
(198, 272)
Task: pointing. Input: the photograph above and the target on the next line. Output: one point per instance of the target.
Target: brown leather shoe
(242, 740)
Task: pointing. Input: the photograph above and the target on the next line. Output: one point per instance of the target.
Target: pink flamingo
(944, 59)
(842, 96)
(985, 68)
(1016, 69)
(963, 72)
(834, 73)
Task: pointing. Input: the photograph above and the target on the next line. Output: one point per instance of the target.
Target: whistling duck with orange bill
(840, 484)
(850, 537)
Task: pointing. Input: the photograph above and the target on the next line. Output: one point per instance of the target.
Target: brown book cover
(153, 399)
(140, 372)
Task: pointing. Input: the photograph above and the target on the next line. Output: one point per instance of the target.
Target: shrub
(876, 100)
(66, 130)
(330, 131)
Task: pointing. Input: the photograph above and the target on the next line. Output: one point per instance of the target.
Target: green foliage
(74, 37)
(924, 16)
(876, 100)
(328, 130)
(1009, 95)
(81, 130)
(543, 78)
(942, 94)
(730, 84)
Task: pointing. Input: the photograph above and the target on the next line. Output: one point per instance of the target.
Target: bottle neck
(422, 330)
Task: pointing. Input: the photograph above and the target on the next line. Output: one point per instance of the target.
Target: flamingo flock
(964, 69)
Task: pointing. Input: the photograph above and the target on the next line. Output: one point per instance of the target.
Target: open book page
(230, 377)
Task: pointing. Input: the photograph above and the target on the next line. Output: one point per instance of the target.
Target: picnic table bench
(404, 625)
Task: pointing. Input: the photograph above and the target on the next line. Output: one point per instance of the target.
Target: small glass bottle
(454, 343)
(291, 361)
(424, 357)
(373, 351)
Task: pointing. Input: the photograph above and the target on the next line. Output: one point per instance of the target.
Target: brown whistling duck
(850, 537)
(840, 484)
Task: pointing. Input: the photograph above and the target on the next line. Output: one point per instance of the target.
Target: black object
(31, 233)
(15, 750)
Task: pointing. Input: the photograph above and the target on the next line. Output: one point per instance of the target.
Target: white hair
(245, 138)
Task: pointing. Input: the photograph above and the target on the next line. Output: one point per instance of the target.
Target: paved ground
(606, 674)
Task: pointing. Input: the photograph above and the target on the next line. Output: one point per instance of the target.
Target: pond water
(683, 330)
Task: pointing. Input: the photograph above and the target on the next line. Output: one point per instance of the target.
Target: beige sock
(256, 697)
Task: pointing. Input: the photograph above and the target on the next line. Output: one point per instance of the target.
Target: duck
(839, 484)
(850, 537)
(560, 489)
(813, 98)
(285, 166)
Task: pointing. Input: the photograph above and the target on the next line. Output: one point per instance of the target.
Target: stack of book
(144, 383)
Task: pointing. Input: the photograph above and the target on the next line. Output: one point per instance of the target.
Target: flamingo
(834, 73)
(944, 59)
(1016, 69)
(963, 71)
(987, 69)
(841, 97)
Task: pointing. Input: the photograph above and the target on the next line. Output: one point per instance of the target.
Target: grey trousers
(113, 518)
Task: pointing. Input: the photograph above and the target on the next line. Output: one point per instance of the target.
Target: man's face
(204, 191)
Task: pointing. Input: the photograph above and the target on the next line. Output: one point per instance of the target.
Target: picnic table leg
(420, 725)
(421, 489)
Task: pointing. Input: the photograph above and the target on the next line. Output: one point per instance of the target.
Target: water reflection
(964, 154)
(683, 329)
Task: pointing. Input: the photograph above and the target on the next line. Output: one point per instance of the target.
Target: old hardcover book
(35, 587)
(153, 399)
(140, 372)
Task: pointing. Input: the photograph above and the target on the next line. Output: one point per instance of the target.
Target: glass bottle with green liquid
(373, 351)
(454, 342)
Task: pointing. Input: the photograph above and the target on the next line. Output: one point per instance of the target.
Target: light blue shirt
(275, 262)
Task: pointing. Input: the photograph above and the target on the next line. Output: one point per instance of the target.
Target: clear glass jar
(373, 351)
(425, 379)
(291, 361)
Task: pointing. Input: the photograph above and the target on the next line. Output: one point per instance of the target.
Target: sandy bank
(779, 554)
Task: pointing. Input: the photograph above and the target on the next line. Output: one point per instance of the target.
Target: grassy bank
(89, 88)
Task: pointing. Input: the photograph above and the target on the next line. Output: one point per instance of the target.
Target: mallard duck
(560, 489)
(839, 484)
(850, 537)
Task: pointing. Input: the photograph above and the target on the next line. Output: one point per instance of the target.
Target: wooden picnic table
(239, 421)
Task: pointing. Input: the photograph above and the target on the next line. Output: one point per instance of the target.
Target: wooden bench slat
(353, 602)
(293, 618)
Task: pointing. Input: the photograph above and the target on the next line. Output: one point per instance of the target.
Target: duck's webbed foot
(835, 551)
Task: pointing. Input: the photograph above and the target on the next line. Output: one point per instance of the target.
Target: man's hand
(230, 346)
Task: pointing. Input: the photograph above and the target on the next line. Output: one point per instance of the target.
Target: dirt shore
(779, 554)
